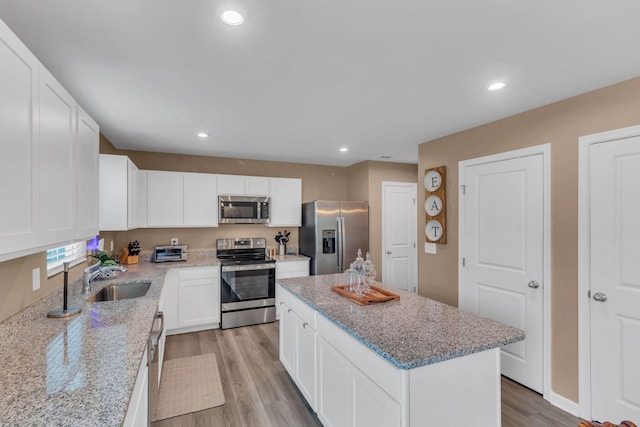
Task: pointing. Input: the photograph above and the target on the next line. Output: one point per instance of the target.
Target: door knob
(533, 284)
(389, 252)
(600, 296)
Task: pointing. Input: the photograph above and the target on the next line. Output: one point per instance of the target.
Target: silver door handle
(389, 252)
(533, 284)
(600, 296)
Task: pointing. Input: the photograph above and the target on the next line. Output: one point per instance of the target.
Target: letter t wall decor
(435, 205)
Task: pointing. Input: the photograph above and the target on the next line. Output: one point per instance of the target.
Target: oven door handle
(270, 266)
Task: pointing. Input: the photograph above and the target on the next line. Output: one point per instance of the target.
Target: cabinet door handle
(289, 311)
(304, 325)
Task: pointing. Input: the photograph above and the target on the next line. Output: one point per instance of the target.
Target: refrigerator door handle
(340, 245)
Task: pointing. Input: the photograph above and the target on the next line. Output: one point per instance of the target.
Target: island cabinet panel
(287, 339)
(460, 391)
(372, 406)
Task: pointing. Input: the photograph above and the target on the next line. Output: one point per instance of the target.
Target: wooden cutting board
(375, 295)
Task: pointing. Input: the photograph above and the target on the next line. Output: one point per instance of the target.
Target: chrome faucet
(91, 272)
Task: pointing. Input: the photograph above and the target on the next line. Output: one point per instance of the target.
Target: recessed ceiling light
(203, 135)
(232, 17)
(344, 149)
(496, 86)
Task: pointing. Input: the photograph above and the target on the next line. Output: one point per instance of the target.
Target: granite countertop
(81, 370)
(409, 333)
(285, 258)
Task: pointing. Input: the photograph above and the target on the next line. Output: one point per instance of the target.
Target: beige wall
(560, 124)
(15, 282)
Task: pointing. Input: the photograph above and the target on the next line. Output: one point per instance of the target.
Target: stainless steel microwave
(243, 210)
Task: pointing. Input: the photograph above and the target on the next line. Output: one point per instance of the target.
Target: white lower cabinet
(298, 343)
(348, 397)
(138, 410)
(190, 299)
(334, 387)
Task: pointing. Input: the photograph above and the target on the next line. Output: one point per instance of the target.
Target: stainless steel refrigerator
(331, 234)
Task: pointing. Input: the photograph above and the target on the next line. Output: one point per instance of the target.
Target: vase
(283, 249)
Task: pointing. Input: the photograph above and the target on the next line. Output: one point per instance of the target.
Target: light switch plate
(429, 248)
(35, 279)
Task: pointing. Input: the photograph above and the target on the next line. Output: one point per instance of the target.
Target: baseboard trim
(563, 403)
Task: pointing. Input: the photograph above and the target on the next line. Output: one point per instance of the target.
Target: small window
(74, 253)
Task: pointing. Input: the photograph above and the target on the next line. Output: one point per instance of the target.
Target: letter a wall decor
(435, 205)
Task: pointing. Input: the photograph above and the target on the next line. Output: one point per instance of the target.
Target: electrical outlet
(111, 246)
(174, 241)
(35, 279)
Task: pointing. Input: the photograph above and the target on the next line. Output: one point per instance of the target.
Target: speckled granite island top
(80, 371)
(409, 333)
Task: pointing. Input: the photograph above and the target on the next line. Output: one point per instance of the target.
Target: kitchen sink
(122, 291)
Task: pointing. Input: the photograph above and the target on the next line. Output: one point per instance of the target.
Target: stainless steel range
(248, 282)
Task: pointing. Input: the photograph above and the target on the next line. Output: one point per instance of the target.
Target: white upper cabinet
(56, 165)
(200, 200)
(286, 202)
(19, 136)
(239, 185)
(165, 195)
(118, 193)
(87, 155)
(48, 167)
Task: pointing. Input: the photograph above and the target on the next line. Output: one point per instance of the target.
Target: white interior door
(615, 279)
(399, 230)
(502, 249)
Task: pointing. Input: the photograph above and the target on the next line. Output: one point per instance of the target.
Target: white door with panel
(614, 228)
(399, 230)
(502, 255)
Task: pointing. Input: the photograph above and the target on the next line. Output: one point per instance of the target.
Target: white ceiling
(301, 78)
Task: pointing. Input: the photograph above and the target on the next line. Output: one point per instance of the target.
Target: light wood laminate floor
(259, 392)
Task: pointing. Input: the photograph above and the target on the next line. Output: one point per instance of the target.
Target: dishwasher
(154, 354)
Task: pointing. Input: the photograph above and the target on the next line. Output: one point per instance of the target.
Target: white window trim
(79, 256)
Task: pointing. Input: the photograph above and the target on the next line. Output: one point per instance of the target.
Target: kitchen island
(412, 362)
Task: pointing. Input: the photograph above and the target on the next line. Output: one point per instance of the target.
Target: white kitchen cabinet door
(256, 186)
(239, 185)
(335, 387)
(287, 339)
(87, 155)
(133, 200)
(286, 202)
(231, 184)
(371, 405)
(165, 195)
(112, 194)
(200, 200)
(19, 135)
(306, 361)
(118, 195)
(142, 199)
(199, 297)
(168, 302)
(286, 270)
(56, 161)
(138, 411)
